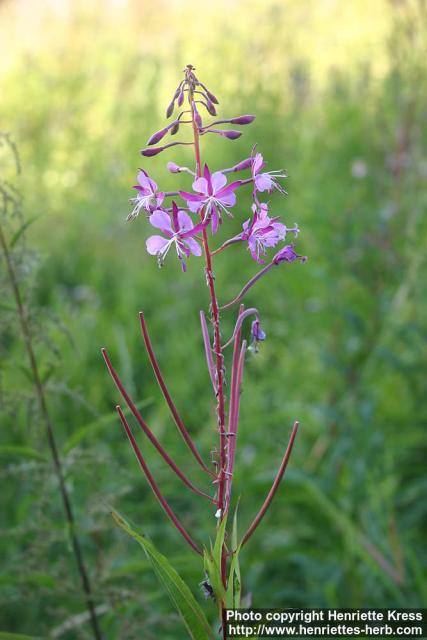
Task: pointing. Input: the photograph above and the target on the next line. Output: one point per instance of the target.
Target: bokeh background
(339, 90)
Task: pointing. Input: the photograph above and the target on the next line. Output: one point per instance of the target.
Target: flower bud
(173, 168)
(156, 137)
(175, 128)
(231, 134)
(180, 98)
(151, 151)
(244, 164)
(287, 254)
(170, 108)
(197, 117)
(210, 107)
(258, 335)
(211, 96)
(243, 119)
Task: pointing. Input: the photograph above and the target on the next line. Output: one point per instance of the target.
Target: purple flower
(179, 231)
(258, 335)
(148, 197)
(265, 181)
(287, 254)
(262, 232)
(213, 195)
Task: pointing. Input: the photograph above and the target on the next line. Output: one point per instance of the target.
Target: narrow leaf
(179, 593)
(21, 230)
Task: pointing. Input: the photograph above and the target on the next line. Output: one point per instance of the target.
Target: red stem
(217, 345)
(179, 423)
(234, 421)
(261, 513)
(154, 485)
(208, 349)
(148, 431)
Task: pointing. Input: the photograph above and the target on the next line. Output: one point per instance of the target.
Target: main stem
(51, 439)
(219, 358)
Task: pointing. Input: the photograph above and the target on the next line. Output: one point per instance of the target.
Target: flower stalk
(186, 220)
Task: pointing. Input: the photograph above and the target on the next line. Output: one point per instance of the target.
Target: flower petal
(263, 182)
(201, 186)
(155, 244)
(146, 183)
(258, 163)
(194, 246)
(219, 180)
(185, 223)
(161, 220)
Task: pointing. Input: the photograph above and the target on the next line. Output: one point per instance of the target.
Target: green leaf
(181, 596)
(212, 563)
(11, 451)
(233, 595)
(21, 230)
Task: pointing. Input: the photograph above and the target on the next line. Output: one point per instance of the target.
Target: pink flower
(148, 197)
(212, 195)
(179, 231)
(265, 181)
(262, 232)
(288, 254)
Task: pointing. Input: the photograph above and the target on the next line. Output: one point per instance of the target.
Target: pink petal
(155, 244)
(193, 246)
(146, 182)
(185, 223)
(228, 200)
(263, 182)
(161, 220)
(219, 180)
(258, 163)
(201, 185)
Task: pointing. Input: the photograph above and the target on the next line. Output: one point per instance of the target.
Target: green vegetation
(339, 95)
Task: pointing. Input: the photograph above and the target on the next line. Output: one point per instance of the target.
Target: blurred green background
(339, 90)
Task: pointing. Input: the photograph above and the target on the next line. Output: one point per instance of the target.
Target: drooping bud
(210, 107)
(156, 137)
(151, 151)
(210, 95)
(180, 98)
(170, 108)
(243, 119)
(256, 332)
(175, 128)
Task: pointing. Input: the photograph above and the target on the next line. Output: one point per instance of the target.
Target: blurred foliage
(339, 93)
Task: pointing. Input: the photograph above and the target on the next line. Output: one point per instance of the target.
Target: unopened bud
(243, 119)
(151, 151)
(156, 137)
(173, 167)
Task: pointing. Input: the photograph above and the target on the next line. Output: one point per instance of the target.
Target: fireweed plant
(185, 224)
